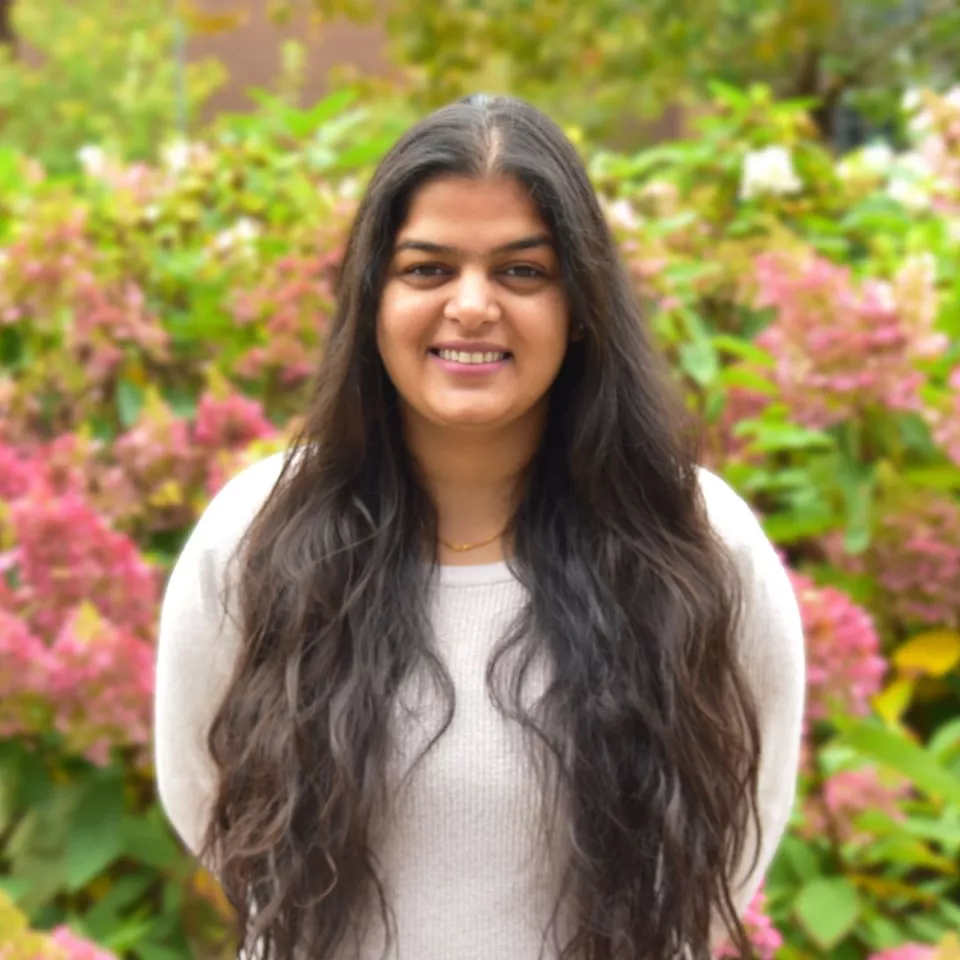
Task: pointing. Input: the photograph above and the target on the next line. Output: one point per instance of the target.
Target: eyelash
(536, 274)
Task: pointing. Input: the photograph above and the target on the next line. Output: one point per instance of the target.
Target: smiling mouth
(462, 356)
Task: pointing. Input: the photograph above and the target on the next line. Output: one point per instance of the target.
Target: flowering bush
(19, 943)
(159, 325)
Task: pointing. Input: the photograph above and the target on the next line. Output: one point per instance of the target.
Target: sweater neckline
(473, 574)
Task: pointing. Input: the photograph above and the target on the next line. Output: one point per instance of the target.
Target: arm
(197, 650)
(773, 659)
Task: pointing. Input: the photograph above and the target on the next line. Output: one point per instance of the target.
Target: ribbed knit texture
(465, 870)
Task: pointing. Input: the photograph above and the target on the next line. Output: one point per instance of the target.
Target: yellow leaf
(206, 885)
(885, 889)
(934, 653)
(135, 373)
(949, 948)
(891, 702)
(87, 622)
(168, 494)
(202, 22)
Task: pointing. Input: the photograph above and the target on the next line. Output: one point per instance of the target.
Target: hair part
(645, 740)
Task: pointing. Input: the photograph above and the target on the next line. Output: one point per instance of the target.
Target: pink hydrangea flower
(846, 795)
(764, 936)
(844, 663)
(230, 423)
(59, 571)
(100, 681)
(914, 556)
(73, 947)
(945, 421)
(24, 662)
(843, 347)
(909, 951)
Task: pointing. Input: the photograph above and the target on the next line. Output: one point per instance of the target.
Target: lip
(470, 370)
(471, 346)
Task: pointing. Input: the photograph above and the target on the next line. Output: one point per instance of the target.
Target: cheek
(403, 322)
(549, 333)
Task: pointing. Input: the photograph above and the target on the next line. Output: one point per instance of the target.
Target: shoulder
(770, 602)
(731, 517)
(233, 508)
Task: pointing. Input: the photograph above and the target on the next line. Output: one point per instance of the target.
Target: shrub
(158, 327)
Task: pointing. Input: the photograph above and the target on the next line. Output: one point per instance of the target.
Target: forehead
(463, 208)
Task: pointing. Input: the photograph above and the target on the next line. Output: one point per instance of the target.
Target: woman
(499, 672)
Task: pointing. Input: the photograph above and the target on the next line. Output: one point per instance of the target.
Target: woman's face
(473, 324)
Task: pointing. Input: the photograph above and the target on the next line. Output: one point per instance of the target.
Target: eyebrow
(526, 243)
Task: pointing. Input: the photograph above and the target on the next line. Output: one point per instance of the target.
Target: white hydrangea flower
(877, 157)
(621, 212)
(176, 156)
(919, 120)
(910, 193)
(915, 165)
(912, 100)
(349, 188)
(952, 97)
(768, 172)
(93, 159)
(240, 236)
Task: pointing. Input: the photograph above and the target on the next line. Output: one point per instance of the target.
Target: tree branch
(879, 56)
(7, 36)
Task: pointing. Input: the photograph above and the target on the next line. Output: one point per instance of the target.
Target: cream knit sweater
(462, 869)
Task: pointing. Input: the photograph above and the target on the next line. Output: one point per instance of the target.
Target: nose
(473, 302)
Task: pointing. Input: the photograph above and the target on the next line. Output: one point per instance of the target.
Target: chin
(469, 419)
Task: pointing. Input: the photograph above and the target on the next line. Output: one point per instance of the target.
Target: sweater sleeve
(773, 659)
(197, 647)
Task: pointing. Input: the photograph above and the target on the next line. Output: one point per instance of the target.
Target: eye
(424, 270)
(524, 271)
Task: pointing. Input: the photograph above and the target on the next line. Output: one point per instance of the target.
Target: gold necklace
(464, 547)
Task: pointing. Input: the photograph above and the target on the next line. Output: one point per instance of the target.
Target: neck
(475, 479)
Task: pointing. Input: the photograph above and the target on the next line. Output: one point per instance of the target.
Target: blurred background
(176, 179)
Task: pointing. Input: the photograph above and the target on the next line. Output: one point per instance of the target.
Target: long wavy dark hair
(646, 722)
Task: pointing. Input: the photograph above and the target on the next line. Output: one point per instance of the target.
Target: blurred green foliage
(600, 65)
(96, 71)
(212, 272)
(136, 299)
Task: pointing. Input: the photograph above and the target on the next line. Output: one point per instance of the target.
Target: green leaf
(789, 527)
(130, 398)
(939, 831)
(900, 754)
(945, 478)
(945, 741)
(129, 934)
(148, 840)
(926, 928)
(104, 916)
(363, 154)
(151, 951)
(14, 887)
(699, 361)
(801, 858)
(881, 933)
(775, 437)
(828, 908)
(94, 839)
(748, 380)
(34, 786)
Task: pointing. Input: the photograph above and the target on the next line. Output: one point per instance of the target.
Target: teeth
(459, 356)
